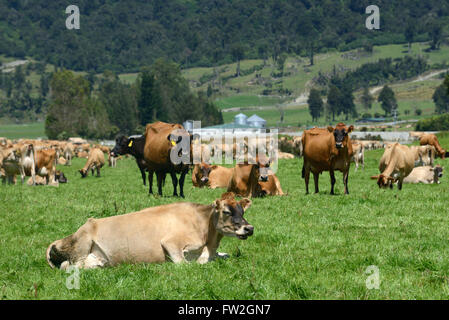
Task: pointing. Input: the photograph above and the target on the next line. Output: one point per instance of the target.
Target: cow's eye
(229, 213)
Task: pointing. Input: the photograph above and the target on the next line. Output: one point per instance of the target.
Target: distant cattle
(432, 140)
(358, 155)
(177, 232)
(327, 149)
(95, 161)
(166, 144)
(396, 163)
(426, 175)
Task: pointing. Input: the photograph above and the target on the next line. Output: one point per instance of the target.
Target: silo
(241, 119)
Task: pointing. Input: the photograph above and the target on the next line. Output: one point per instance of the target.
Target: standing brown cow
(161, 145)
(327, 150)
(433, 141)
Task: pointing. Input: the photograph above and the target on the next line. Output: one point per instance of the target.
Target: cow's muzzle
(263, 178)
(339, 145)
(248, 231)
(204, 179)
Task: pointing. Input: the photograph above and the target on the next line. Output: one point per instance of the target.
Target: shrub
(418, 112)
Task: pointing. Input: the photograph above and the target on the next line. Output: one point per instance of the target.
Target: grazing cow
(359, 155)
(433, 141)
(177, 232)
(327, 150)
(426, 174)
(245, 178)
(396, 163)
(134, 146)
(95, 160)
(271, 187)
(9, 165)
(162, 141)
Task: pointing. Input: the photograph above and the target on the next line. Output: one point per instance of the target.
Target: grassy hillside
(16, 131)
(304, 247)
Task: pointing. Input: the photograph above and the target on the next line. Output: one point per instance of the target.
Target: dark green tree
(238, 53)
(387, 100)
(316, 105)
(334, 98)
(441, 99)
(367, 99)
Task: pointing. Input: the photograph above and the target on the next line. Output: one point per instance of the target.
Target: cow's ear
(245, 203)
(213, 167)
(375, 177)
(216, 204)
(154, 130)
(330, 129)
(351, 128)
(432, 169)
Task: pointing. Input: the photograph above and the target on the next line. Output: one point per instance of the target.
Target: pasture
(303, 247)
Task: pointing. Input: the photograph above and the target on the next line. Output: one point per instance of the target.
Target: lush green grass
(15, 131)
(304, 247)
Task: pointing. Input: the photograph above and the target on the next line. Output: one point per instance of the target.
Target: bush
(418, 112)
(367, 115)
(439, 123)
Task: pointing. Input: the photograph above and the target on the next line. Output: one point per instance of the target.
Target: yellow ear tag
(173, 143)
(130, 144)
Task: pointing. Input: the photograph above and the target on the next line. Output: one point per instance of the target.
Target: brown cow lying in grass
(211, 176)
(426, 175)
(178, 232)
(95, 160)
(246, 176)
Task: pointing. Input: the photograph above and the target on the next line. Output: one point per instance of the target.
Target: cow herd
(192, 232)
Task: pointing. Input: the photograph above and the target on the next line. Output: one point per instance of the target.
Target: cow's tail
(59, 251)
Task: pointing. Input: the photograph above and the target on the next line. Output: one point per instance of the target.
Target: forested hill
(125, 35)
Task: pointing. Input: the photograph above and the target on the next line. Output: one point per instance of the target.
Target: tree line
(123, 36)
(94, 107)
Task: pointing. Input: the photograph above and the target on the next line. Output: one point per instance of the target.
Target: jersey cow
(432, 140)
(175, 232)
(426, 175)
(327, 149)
(245, 178)
(396, 163)
(95, 160)
(167, 150)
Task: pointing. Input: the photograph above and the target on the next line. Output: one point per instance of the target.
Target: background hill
(122, 36)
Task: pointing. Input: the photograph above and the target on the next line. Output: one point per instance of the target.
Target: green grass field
(304, 247)
(30, 131)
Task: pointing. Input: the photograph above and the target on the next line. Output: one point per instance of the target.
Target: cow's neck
(213, 237)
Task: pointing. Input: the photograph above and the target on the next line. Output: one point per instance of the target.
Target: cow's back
(136, 237)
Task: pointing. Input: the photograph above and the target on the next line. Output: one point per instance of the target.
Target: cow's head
(437, 173)
(262, 168)
(122, 146)
(203, 172)
(383, 181)
(341, 132)
(83, 173)
(60, 177)
(228, 216)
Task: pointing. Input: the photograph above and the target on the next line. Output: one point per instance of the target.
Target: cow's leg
(356, 165)
(160, 177)
(174, 180)
(345, 180)
(98, 171)
(181, 182)
(306, 176)
(150, 181)
(316, 177)
(400, 183)
(144, 178)
(332, 174)
(173, 249)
